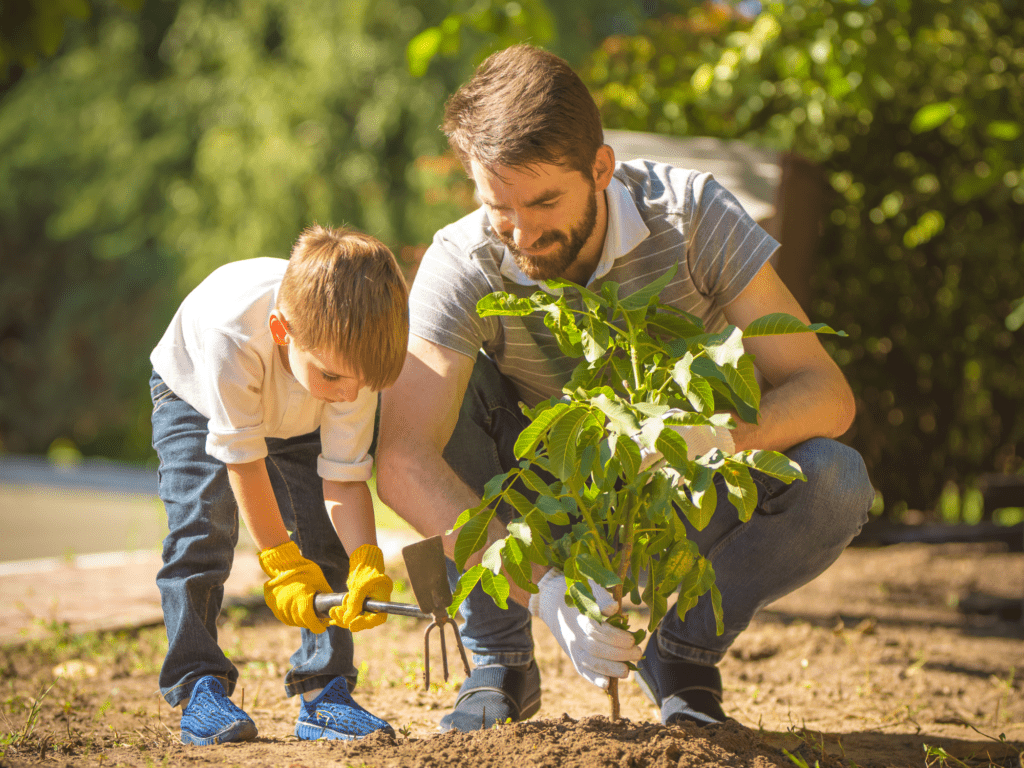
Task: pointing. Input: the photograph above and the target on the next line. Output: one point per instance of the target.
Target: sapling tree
(602, 477)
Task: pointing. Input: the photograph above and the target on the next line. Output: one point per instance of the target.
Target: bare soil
(873, 664)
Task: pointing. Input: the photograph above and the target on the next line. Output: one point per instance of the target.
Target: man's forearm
(801, 408)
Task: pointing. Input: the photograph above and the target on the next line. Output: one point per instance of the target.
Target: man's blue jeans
(202, 519)
(796, 532)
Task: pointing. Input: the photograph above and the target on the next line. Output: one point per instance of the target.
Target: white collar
(624, 232)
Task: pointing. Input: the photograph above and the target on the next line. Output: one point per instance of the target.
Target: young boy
(264, 395)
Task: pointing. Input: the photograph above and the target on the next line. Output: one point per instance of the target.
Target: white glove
(598, 651)
(700, 438)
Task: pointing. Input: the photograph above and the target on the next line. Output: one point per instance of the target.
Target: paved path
(81, 545)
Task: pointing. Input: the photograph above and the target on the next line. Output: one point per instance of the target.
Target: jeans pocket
(161, 394)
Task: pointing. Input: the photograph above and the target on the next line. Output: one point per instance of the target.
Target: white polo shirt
(219, 357)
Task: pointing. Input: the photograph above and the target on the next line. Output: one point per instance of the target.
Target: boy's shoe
(495, 694)
(333, 714)
(684, 691)
(212, 718)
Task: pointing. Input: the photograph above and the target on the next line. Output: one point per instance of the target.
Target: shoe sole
(313, 732)
(528, 711)
(238, 731)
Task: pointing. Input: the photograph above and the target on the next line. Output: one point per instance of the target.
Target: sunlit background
(143, 144)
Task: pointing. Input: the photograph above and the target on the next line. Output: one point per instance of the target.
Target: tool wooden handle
(324, 601)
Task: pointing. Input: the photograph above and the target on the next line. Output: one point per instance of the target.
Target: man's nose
(522, 230)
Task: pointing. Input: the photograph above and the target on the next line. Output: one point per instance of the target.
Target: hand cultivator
(428, 577)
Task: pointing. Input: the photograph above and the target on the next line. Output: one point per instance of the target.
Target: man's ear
(604, 167)
(278, 328)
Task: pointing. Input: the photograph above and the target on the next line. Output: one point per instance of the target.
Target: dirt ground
(873, 664)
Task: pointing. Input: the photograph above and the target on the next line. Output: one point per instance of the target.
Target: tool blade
(428, 574)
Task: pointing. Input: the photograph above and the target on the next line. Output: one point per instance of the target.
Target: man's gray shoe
(684, 691)
(495, 694)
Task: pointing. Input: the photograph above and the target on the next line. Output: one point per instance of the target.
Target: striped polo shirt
(658, 216)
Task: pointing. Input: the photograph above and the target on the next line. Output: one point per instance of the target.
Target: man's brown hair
(524, 106)
(343, 292)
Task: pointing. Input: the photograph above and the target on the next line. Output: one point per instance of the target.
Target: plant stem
(626, 556)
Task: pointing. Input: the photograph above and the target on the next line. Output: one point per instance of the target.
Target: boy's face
(326, 376)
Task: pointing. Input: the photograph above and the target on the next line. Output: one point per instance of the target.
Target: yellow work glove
(366, 579)
(294, 582)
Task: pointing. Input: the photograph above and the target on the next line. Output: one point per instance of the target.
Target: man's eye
(328, 377)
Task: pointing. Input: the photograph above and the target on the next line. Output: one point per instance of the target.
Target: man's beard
(556, 263)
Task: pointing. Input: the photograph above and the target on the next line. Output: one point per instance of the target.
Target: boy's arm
(350, 507)
(257, 504)
(293, 580)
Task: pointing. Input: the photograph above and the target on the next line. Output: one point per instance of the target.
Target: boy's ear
(278, 328)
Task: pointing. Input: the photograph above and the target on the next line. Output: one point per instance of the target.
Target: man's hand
(700, 438)
(294, 582)
(598, 651)
(366, 579)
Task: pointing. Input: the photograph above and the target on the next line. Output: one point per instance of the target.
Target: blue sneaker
(211, 717)
(335, 715)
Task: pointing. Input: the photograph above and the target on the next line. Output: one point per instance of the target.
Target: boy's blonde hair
(343, 292)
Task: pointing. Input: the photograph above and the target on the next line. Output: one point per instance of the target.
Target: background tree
(915, 110)
(162, 144)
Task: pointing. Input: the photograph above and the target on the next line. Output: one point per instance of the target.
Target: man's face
(544, 214)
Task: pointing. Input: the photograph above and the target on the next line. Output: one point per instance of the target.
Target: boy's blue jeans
(797, 531)
(202, 519)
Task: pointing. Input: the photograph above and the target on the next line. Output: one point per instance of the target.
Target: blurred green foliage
(161, 144)
(31, 29)
(916, 111)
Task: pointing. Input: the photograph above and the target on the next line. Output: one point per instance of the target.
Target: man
(556, 204)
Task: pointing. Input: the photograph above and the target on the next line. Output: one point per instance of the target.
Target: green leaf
(553, 510)
(642, 298)
(725, 348)
(535, 431)
(628, 455)
(620, 419)
(701, 395)
(501, 303)
(743, 381)
(741, 489)
(467, 581)
(517, 564)
(472, 536)
(672, 567)
(779, 323)
(563, 326)
(931, 116)
(590, 566)
(771, 463)
(497, 586)
(673, 448)
(581, 596)
(563, 442)
(716, 606)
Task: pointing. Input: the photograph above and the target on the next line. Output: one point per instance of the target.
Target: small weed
(940, 757)
(405, 730)
(17, 738)
(799, 761)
